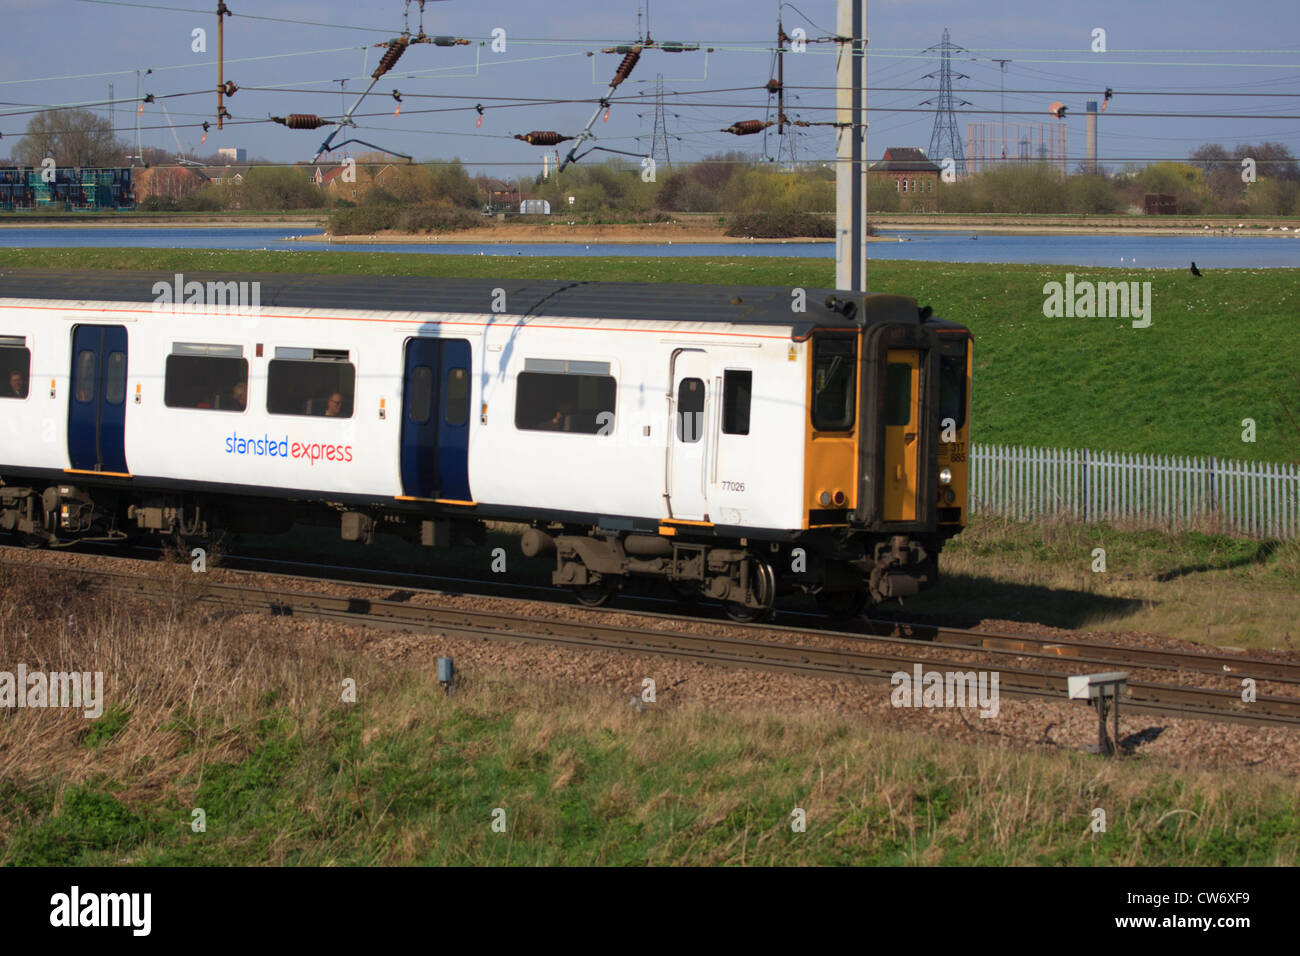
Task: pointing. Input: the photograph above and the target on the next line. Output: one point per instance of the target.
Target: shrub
(427, 217)
(780, 225)
(421, 217)
(159, 204)
(350, 222)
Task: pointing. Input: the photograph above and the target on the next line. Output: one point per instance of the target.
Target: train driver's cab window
(316, 382)
(952, 389)
(834, 377)
(558, 395)
(198, 375)
(737, 388)
(15, 366)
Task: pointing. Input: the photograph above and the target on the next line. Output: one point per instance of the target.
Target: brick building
(912, 172)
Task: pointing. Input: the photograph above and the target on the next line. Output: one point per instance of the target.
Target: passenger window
(690, 410)
(216, 381)
(421, 401)
(84, 384)
(15, 368)
(564, 402)
(457, 410)
(737, 387)
(898, 394)
(316, 382)
(115, 379)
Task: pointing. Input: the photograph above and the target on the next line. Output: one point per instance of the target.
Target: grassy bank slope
(1220, 349)
(246, 722)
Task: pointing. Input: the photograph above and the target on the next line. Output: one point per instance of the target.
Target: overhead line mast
(851, 148)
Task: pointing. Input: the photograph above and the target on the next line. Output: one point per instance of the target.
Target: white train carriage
(695, 433)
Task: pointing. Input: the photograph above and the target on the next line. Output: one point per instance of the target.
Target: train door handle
(898, 472)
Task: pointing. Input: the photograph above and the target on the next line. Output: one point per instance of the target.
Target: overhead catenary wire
(696, 100)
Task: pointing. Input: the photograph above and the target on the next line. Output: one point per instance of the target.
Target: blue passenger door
(97, 403)
(435, 419)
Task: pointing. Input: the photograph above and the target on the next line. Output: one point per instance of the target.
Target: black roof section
(666, 302)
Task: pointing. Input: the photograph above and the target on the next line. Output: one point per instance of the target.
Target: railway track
(785, 649)
(1094, 652)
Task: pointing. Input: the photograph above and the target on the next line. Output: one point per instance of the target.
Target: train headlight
(945, 476)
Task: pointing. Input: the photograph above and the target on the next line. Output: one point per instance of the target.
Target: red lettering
(296, 450)
(348, 452)
(329, 452)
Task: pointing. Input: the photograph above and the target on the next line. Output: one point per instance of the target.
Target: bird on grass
(1195, 271)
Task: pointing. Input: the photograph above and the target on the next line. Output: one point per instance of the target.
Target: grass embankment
(1220, 348)
(246, 722)
(1198, 587)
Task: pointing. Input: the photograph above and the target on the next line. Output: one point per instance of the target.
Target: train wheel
(596, 595)
(31, 542)
(765, 588)
(743, 613)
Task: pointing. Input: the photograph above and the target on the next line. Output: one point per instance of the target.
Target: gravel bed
(1020, 723)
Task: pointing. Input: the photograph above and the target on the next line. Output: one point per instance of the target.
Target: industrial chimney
(1091, 149)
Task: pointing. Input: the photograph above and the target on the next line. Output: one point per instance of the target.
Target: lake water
(1158, 252)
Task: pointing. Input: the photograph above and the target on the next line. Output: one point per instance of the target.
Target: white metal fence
(1238, 497)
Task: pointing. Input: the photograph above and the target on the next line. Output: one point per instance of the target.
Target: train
(731, 443)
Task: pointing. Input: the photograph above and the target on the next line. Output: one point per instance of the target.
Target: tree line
(381, 192)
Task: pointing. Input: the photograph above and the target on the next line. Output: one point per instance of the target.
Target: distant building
(82, 188)
(1158, 204)
(909, 168)
(233, 154)
(220, 174)
(535, 207)
(498, 195)
(327, 177)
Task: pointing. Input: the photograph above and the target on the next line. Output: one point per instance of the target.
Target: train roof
(740, 305)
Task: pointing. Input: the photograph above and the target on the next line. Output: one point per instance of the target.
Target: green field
(1220, 349)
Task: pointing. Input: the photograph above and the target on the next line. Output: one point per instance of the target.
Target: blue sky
(1198, 47)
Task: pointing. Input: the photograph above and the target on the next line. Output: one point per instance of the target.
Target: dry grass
(242, 716)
